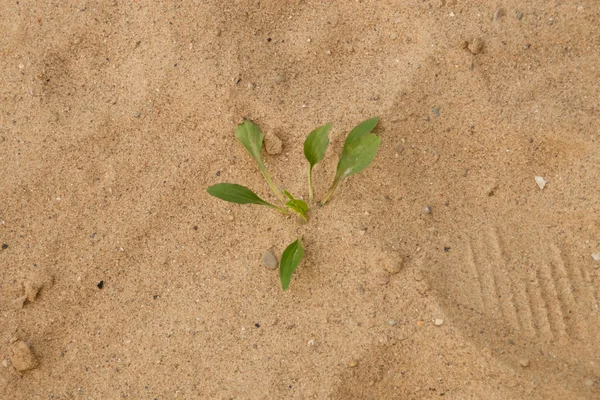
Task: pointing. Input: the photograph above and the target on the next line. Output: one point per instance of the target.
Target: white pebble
(269, 260)
(438, 322)
(596, 256)
(392, 322)
(541, 182)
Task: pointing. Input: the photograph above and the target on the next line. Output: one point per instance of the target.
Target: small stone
(420, 323)
(589, 382)
(393, 265)
(392, 322)
(436, 111)
(352, 363)
(383, 278)
(231, 218)
(476, 46)
(394, 36)
(273, 144)
(438, 322)
(596, 256)
(250, 85)
(427, 209)
(4, 246)
(277, 79)
(137, 114)
(491, 189)
(499, 13)
(21, 356)
(31, 290)
(541, 182)
(580, 8)
(519, 14)
(19, 302)
(524, 362)
(5, 363)
(269, 260)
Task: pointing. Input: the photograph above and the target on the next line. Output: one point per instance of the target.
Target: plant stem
(274, 188)
(330, 192)
(280, 209)
(310, 185)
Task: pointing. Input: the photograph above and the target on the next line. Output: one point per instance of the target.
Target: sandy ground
(115, 116)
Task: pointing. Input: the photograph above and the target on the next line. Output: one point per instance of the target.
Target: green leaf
(236, 194)
(316, 144)
(298, 206)
(290, 259)
(360, 148)
(357, 155)
(250, 135)
(360, 130)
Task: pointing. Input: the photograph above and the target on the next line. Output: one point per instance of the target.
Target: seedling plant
(360, 148)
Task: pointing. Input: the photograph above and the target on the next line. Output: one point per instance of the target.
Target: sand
(131, 281)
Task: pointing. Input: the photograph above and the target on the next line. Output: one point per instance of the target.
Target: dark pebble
(100, 284)
(218, 173)
(447, 249)
(155, 297)
(257, 325)
(195, 227)
(4, 246)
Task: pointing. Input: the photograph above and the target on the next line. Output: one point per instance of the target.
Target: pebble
(519, 14)
(21, 356)
(499, 13)
(436, 111)
(438, 322)
(476, 46)
(277, 79)
(420, 323)
(383, 278)
(393, 266)
(352, 363)
(541, 182)
(19, 302)
(427, 210)
(273, 144)
(269, 260)
(250, 85)
(524, 362)
(392, 322)
(596, 256)
(137, 114)
(394, 36)
(5, 363)
(589, 382)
